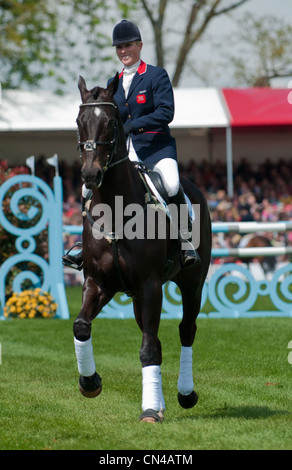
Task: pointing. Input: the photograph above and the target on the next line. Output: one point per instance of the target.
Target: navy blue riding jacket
(149, 108)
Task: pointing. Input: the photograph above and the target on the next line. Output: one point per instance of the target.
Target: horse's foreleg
(89, 381)
(187, 397)
(147, 312)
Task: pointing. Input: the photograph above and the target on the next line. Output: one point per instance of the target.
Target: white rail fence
(232, 290)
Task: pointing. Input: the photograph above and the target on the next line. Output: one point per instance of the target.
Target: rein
(91, 145)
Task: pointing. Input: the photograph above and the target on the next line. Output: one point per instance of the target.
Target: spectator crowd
(262, 193)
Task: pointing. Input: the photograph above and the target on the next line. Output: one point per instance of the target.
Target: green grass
(241, 373)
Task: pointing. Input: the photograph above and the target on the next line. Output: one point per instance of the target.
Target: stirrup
(190, 256)
(72, 261)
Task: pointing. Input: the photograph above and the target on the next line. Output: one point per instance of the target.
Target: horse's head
(98, 131)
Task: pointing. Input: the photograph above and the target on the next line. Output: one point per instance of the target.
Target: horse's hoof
(188, 401)
(90, 387)
(151, 416)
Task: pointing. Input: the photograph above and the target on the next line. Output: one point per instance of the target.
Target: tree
(58, 39)
(26, 41)
(40, 38)
(268, 41)
(197, 17)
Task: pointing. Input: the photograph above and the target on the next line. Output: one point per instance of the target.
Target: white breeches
(167, 168)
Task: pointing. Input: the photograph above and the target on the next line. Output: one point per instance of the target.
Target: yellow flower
(30, 303)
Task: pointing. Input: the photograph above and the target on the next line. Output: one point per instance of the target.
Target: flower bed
(30, 304)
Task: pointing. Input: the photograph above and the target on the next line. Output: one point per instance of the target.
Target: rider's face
(129, 53)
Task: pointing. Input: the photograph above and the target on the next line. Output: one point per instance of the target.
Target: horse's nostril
(91, 177)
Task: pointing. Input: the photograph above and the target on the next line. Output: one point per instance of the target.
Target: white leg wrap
(84, 355)
(152, 396)
(185, 384)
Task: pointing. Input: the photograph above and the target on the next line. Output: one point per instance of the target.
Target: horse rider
(146, 105)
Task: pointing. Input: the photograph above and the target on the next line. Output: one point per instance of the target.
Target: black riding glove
(128, 128)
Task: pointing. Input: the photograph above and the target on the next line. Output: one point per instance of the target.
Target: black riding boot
(189, 254)
(75, 261)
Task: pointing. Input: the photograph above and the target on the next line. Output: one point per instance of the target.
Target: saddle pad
(160, 199)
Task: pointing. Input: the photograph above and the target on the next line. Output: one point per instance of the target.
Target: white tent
(37, 111)
(199, 108)
(205, 109)
(41, 122)
(43, 110)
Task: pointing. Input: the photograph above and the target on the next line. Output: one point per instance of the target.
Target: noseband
(92, 145)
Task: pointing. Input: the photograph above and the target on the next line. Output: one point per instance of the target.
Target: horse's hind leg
(89, 382)
(191, 298)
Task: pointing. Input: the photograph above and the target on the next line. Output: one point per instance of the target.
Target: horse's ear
(82, 88)
(113, 86)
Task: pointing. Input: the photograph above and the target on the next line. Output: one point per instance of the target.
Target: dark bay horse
(136, 265)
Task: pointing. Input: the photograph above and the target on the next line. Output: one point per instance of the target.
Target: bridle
(92, 145)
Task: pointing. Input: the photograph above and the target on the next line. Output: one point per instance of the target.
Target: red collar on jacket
(141, 69)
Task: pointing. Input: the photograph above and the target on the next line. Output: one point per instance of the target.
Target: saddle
(152, 181)
(155, 191)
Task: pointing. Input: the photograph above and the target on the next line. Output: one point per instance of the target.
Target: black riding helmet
(124, 32)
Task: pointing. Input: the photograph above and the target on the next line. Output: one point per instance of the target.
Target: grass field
(241, 373)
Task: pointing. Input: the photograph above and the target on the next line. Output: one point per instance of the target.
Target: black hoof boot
(188, 401)
(90, 387)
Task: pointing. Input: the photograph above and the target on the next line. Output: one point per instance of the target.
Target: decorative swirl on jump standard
(232, 290)
(45, 213)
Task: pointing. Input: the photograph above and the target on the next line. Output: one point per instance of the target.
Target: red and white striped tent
(209, 124)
